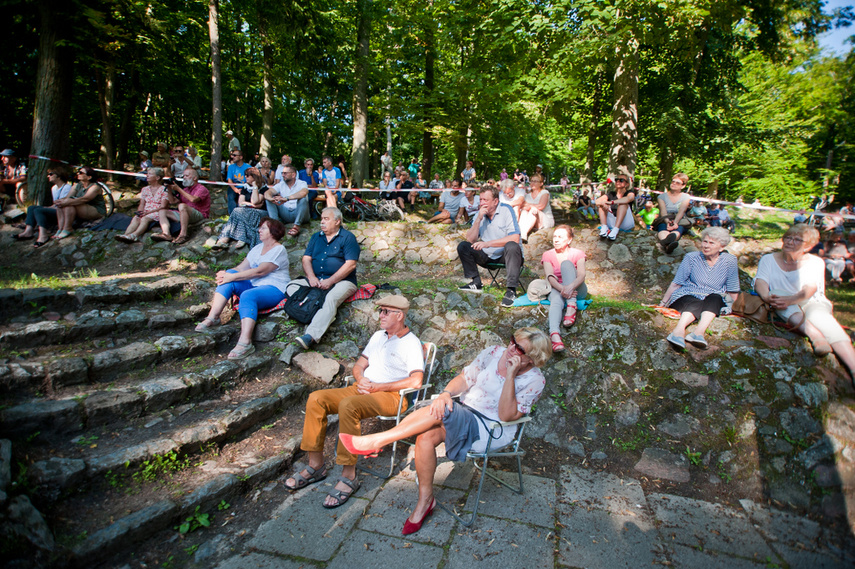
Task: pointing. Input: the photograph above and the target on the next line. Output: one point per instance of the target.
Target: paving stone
(59, 416)
(619, 253)
(394, 503)
(680, 425)
(692, 379)
(130, 320)
(659, 463)
(302, 527)
(316, 365)
(172, 347)
(211, 430)
(363, 549)
(693, 558)
(534, 506)
(840, 422)
(113, 362)
(87, 327)
(250, 413)
(812, 394)
(696, 523)
(628, 413)
(67, 371)
(200, 344)
(288, 353)
(786, 491)
(266, 331)
(161, 393)
(133, 454)
(798, 423)
(598, 538)
(223, 371)
(820, 450)
(129, 529)
(107, 406)
(57, 472)
(588, 489)
(259, 561)
(505, 544)
(291, 392)
(5, 463)
(37, 334)
(104, 294)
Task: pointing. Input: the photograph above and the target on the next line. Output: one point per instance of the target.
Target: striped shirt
(698, 279)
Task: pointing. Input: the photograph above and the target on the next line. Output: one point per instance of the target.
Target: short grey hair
(191, 172)
(720, 234)
(335, 211)
(505, 184)
(156, 171)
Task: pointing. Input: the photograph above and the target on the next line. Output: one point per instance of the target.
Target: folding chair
(494, 267)
(412, 396)
(511, 449)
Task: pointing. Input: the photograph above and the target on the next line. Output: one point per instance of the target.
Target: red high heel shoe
(347, 441)
(413, 527)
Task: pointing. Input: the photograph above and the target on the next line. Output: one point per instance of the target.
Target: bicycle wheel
(109, 202)
(352, 212)
(319, 206)
(21, 196)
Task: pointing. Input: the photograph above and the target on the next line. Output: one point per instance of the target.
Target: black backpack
(303, 304)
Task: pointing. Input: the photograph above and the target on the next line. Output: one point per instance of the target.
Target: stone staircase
(123, 421)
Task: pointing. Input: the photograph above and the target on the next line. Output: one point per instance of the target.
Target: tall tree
(359, 156)
(216, 89)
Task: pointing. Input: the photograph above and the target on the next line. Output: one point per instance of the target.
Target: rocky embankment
(120, 422)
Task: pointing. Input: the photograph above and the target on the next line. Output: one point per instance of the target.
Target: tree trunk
(266, 143)
(624, 143)
(359, 154)
(131, 106)
(217, 91)
(106, 81)
(52, 112)
(588, 171)
(666, 167)
(427, 132)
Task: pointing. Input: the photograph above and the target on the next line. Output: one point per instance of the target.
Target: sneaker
(697, 340)
(509, 298)
(613, 233)
(471, 287)
(305, 341)
(604, 231)
(677, 341)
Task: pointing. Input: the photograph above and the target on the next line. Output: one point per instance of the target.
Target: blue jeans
(252, 298)
(297, 216)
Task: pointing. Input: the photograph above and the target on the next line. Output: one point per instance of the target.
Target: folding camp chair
(494, 267)
(512, 449)
(412, 396)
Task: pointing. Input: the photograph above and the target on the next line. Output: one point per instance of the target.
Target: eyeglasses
(622, 180)
(792, 239)
(387, 311)
(516, 346)
(680, 182)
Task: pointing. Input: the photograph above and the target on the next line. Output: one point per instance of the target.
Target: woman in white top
(793, 282)
(535, 211)
(44, 217)
(502, 383)
(259, 281)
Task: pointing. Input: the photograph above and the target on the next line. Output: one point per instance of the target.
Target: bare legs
(687, 318)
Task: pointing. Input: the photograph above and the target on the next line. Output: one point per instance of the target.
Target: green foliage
(195, 521)
(166, 464)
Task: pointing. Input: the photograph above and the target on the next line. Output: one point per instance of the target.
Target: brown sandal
(294, 231)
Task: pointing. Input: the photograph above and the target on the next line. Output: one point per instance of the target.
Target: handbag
(305, 303)
(684, 222)
(753, 307)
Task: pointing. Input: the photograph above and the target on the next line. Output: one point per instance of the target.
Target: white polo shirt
(392, 358)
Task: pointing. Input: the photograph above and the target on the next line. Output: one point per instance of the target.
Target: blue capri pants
(252, 298)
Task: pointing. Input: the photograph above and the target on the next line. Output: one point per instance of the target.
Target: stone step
(53, 374)
(14, 302)
(97, 324)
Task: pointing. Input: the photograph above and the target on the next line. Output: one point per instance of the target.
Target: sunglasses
(386, 311)
(624, 180)
(517, 347)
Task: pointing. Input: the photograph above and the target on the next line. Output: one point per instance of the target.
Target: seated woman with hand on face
(153, 198)
(700, 285)
(793, 282)
(244, 220)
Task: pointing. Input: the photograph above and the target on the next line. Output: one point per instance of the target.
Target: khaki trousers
(351, 408)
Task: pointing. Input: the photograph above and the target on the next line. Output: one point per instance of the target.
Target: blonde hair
(809, 234)
(540, 348)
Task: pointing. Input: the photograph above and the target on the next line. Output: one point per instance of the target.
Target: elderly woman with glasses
(153, 198)
(613, 208)
(793, 282)
(700, 285)
(502, 383)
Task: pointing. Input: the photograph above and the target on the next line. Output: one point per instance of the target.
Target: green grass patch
(423, 286)
(16, 278)
(605, 301)
(760, 225)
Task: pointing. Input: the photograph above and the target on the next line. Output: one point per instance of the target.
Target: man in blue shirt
(330, 264)
(494, 235)
(312, 180)
(331, 180)
(236, 177)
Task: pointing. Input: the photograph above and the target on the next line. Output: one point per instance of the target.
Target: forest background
(734, 92)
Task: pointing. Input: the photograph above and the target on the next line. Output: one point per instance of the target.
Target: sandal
(241, 351)
(557, 346)
(342, 496)
(294, 231)
(161, 237)
(21, 237)
(569, 319)
(301, 481)
(220, 245)
(61, 234)
(126, 238)
(38, 244)
(181, 240)
(207, 323)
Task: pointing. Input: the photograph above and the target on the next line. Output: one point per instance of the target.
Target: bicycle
(353, 208)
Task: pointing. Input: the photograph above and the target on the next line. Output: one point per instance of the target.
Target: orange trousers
(352, 408)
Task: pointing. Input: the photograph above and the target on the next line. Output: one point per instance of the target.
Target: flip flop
(301, 481)
(342, 495)
(161, 237)
(38, 244)
(180, 240)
